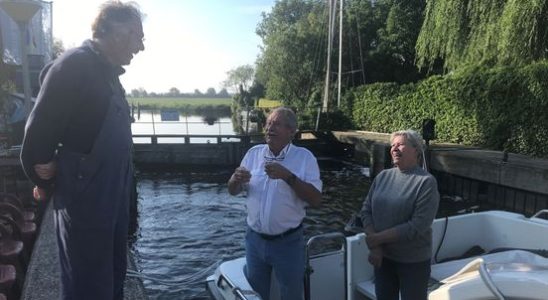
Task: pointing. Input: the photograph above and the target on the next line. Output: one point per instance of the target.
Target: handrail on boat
(484, 274)
(540, 212)
(325, 236)
(308, 271)
(237, 291)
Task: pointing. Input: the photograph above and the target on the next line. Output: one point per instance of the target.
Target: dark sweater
(74, 97)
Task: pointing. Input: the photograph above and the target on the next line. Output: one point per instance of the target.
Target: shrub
(502, 108)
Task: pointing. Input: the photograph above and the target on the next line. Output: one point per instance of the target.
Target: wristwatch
(291, 180)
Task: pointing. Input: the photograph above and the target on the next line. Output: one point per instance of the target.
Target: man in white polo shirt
(281, 180)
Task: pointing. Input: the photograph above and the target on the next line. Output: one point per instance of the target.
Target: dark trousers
(409, 279)
(93, 260)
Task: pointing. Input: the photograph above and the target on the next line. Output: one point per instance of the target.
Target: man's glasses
(272, 159)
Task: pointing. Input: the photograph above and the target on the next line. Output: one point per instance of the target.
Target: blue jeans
(284, 256)
(409, 279)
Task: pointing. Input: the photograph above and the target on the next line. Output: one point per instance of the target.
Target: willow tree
(490, 32)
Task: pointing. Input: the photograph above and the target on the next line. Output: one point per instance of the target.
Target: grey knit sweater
(407, 201)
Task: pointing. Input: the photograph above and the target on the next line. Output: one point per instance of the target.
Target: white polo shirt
(272, 205)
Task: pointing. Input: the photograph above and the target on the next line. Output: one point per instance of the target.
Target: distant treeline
(175, 93)
(204, 106)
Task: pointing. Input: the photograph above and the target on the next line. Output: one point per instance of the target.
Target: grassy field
(175, 103)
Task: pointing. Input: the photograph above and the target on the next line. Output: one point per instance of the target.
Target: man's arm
(240, 176)
(61, 84)
(304, 190)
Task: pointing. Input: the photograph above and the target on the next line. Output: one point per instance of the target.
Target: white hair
(415, 140)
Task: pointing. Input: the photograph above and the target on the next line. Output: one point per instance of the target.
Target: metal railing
(153, 125)
(237, 291)
(323, 237)
(188, 138)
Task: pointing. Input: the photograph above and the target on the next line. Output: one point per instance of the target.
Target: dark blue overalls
(91, 201)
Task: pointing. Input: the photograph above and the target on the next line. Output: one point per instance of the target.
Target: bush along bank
(503, 108)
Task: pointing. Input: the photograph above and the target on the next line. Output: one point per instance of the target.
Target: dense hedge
(502, 109)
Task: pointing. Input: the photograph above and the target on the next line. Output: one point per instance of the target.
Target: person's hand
(276, 171)
(46, 171)
(39, 193)
(372, 241)
(241, 175)
(375, 257)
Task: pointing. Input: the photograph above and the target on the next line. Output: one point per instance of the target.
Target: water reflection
(210, 120)
(189, 222)
(195, 124)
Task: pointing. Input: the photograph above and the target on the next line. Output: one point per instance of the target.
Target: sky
(189, 44)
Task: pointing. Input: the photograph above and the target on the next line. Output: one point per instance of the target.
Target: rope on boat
(190, 279)
(486, 278)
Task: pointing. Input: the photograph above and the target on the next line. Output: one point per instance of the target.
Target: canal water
(189, 223)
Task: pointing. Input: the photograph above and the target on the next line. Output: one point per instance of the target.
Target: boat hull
(346, 274)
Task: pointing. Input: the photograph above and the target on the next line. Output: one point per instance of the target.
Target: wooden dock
(173, 149)
(493, 179)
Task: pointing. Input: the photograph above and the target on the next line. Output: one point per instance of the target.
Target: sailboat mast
(340, 54)
(331, 26)
(331, 35)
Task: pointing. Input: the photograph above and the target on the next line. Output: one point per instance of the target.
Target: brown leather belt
(271, 237)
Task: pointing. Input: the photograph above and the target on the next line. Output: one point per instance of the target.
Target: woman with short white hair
(397, 216)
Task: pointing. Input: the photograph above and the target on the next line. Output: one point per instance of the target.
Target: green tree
(6, 86)
(489, 32)
(293, 36)
(211, 92)
(174, 92)
(363, 20)
(142, 92)
(223, 93)
(139, 93)
(57, 48)
(256, 91)
(378, 45)
(240, 76)
(393, 60)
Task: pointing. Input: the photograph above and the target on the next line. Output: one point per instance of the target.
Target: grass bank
(177, 102)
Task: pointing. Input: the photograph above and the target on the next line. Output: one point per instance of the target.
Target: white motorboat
(485, 255)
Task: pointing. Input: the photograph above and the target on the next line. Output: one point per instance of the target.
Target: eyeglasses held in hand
(272, 159)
